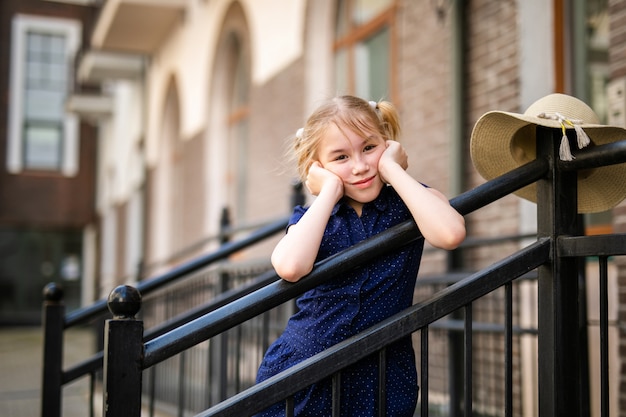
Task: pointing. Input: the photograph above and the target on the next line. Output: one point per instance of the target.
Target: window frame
(71, 30)
(238, 122)
(357, 34)
(574, 71)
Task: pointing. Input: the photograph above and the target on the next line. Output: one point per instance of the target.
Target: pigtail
(390, 119)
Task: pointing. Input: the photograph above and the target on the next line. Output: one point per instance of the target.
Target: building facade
(47, 184)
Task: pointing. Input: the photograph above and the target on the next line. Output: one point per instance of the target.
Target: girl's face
(354, 159)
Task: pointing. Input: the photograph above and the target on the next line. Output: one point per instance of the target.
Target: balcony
(95, 66)
(136, 26)
(90, 107)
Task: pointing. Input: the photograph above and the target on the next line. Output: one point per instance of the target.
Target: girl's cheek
(341, 172)
(376, 159)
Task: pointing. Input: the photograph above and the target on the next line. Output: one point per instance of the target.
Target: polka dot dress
(347, 305)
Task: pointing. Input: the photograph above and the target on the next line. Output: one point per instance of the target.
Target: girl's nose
(359, 166)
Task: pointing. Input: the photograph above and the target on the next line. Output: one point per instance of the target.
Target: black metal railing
(553, 255)
(279, 291)
(209, 372)
(55, 321)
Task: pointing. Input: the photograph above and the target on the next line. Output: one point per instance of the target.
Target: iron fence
(555, 256)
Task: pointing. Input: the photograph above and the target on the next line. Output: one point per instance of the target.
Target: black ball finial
(53, 293)
(124, 302)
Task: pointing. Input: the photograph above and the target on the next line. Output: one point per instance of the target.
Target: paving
(21, 357)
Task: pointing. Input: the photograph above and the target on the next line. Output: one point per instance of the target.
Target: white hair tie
(373, 105)
(299, 133)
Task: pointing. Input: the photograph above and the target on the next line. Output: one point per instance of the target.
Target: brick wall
(423, 80)
(271, 175)
(492, 83)
(617, 65)
(40, 199)
(280, 113)
(424, 91)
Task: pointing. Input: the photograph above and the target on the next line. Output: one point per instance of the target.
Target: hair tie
(299, 133)
(373, 105)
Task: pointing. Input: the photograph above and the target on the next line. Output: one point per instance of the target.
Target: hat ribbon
(582, 138)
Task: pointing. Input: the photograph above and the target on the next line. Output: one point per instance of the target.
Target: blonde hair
(349, 112)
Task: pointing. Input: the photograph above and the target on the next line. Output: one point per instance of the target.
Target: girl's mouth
(364, 183)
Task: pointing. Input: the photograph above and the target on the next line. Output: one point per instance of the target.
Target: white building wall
(134, 235)
(120, 176)
(536, 69)
(107, 253)
(187, 60)
(276, 30)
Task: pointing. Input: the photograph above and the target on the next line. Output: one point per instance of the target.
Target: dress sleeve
(297, 214)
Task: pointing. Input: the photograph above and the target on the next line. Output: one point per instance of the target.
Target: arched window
(364, 48)
(238, 113)
(229, 116)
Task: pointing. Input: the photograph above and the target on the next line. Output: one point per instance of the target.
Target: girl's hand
(441, 225)
(319, 178)
(295, 254)
(395, 154)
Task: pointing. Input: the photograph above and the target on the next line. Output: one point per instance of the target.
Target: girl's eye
(340, 157)
(369, 147)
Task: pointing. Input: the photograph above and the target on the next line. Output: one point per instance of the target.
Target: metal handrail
(280, 291)
(147, 286)
(94, 363)
(351, 350)
(56, 321)
(173, 338)
(276, 293)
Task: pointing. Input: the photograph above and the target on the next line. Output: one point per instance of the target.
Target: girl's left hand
(394, 154)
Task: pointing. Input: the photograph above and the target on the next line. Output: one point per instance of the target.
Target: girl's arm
(295, 253)
(441, 225)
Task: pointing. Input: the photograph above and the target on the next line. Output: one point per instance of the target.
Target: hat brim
(503, 141)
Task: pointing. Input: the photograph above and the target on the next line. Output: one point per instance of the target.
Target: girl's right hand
(295, 254)
(319, 177)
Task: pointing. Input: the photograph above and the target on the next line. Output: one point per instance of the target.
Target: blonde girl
(349, 158)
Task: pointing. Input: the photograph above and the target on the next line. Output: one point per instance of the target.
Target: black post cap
(53, 293)
(124, 302)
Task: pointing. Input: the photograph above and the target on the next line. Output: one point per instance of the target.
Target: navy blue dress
(347, 305)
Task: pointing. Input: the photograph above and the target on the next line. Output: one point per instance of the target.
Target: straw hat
(502, 141)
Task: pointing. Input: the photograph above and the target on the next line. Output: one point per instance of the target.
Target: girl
(349, 158)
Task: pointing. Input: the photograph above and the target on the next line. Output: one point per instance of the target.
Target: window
(595, 79)
(591, 75)
(230, 118)
(42, 136)
(364, 48)
(238, 127)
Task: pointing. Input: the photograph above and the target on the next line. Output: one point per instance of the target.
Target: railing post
(558, 342)
(297, 194)
(53, 320)
(123, 354)
(218, 352)
(225, 225)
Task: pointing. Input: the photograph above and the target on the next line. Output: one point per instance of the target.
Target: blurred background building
(131, 130)
(49, 158)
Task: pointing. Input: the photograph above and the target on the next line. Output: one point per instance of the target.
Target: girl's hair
(353, 113)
